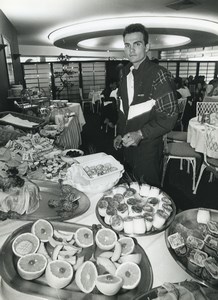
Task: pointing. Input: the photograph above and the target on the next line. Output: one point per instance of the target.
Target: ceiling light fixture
(111, 24)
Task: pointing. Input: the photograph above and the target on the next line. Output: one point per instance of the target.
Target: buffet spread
(46, 186)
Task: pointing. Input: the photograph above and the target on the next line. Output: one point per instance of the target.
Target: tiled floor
(177, 183)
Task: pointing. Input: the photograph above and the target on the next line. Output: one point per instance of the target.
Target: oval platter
(153, 231)
(185, 223)
(39, 287)
(51, 190)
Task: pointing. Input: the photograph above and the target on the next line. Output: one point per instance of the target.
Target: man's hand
(118, 142)
(132, 138)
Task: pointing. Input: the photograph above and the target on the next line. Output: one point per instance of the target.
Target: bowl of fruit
(69, 155)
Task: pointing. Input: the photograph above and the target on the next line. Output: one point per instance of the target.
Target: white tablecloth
(76, 107)
(196, 135)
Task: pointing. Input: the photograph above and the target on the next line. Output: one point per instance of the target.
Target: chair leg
(203, 167)
(188, 167)
(211, 177)
(181, 164)
(165, 162)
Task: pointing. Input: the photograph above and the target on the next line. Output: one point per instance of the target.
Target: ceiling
(97, 25)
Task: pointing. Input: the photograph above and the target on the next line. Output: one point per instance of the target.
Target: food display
(58, 202)
(135, 209)
(74, 259)
(69, 155)
(18, 195)
(192, 239)
(187, 289)
(50, 131)
(97, 169)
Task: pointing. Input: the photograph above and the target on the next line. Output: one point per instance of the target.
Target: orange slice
(106, 239)
(31, 266)
(108, 284)
(85, 277)
(59, 273)
(127, 244)
(42, 229)
(84, 237)
(130, 273)
(25, 243)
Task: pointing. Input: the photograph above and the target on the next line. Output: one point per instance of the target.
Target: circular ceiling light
(115, 42)
(113, 24)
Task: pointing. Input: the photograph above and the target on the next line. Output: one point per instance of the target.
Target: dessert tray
(135, 210)
(40, 288)
(192, 240)
(50, 191)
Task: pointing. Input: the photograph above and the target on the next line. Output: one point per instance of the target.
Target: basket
(7, 135)
(40, 122)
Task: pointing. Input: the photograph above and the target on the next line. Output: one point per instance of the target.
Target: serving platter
(39, 287)
(153, 231)
(186, 224)
(51, 191)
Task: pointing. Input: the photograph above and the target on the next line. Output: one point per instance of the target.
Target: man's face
(135, 48)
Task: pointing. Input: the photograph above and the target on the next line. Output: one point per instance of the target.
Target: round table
(196, 135)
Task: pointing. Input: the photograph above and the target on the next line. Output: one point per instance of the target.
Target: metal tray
(39, 286)
(151, 232)
(188, 219)
(51, 190)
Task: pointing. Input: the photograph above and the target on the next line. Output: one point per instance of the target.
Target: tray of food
(72, 261)
(22, 121)
(96, 169)
(69, 155)
(192, 240)
(51, 131)
(31, 200)
(135, 209)
(181, 290)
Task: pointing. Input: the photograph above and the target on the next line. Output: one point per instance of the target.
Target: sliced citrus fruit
(108, 284)
(85, 277)
(134, 257)
(31, 266)
(130, 273)
(105, 238)
(84, 237)
(25, 243)
(42, 229)
(127, 244)
(58, 273)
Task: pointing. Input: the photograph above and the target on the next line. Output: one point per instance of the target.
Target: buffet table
(165, 268)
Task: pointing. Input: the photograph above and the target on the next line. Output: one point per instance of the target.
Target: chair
(181, 109)
(181, 151)
(86, 101)
(206, 108)
(210, 154)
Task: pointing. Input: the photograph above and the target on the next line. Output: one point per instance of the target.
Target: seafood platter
(133, 209)
(192, 239)
(58, 260)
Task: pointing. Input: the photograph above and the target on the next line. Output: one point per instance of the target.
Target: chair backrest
(206, 108)
(181, 108)
(211, 141)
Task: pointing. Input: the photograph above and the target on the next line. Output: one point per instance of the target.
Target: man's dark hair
(137, 27)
